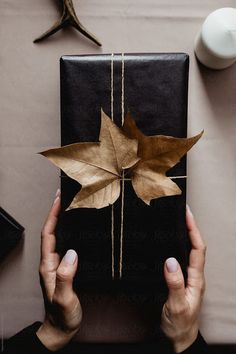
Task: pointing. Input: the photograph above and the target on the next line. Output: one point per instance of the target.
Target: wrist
(54, 338)
(185, 340)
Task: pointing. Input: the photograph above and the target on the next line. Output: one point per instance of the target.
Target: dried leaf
(157, 155)
(97, 166)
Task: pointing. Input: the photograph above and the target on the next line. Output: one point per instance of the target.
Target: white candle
(215, 44)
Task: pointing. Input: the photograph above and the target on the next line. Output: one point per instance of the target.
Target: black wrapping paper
(155, 92)
(10, 233)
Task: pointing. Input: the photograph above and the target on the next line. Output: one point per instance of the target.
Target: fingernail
(172, 265)
(56, 200)
(189, 210)
(57, 196)
(58, 193)
(70, 257)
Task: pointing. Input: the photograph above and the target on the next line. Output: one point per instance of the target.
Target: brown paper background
(29, 101)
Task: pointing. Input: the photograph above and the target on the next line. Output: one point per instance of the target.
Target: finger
(198, 252)
(48, 241)
(65, 275)
(194, 233)
(175, 281)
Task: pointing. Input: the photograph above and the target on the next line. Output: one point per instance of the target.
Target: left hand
(180, 313)
(63, 310)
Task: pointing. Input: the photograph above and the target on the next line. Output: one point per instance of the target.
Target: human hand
(63, 310)
(180, 313)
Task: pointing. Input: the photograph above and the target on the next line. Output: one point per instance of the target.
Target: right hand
(181, 311)
(63, 310)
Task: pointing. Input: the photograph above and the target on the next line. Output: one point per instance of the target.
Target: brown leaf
(97, 166)
(157, 155)
(149, 184)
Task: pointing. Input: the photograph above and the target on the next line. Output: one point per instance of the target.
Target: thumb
(174, 280)
(65, 274)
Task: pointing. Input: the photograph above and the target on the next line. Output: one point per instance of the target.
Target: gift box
(126, 244)
(11, 233)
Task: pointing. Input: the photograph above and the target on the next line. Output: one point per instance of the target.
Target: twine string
(112, 207)
(122, 179)
(130, 179)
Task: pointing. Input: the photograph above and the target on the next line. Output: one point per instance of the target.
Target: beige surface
(29, 94)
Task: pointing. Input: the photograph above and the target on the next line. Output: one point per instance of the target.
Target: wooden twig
(68, 17)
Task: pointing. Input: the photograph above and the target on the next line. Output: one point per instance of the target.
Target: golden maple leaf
(157, 155)
(97, 166)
